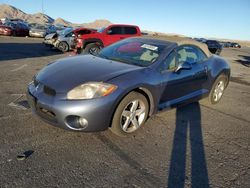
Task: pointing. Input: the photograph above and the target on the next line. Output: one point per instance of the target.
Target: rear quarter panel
(217, 66)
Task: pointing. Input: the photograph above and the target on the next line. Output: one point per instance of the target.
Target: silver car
(65, 40)
(51, 40)
(41, 30)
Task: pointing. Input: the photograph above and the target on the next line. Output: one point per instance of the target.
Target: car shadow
(188, 126)
(12, 51)
(245, 60)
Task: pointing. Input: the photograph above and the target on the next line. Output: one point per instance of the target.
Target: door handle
(206, 70)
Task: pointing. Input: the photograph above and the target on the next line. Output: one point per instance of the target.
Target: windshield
(135, 52)
(65, 31)
(101, 29)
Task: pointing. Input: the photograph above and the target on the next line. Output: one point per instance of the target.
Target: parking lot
(197, 145)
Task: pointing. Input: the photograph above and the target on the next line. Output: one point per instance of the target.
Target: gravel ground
(197, 145)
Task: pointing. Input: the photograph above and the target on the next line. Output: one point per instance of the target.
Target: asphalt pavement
(197, 145)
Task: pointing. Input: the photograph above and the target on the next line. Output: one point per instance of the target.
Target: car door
(113, 34)
(184, 84)
(18, 29)
(22, 29)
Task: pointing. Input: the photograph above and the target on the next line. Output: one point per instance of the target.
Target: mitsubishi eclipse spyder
(126, 83)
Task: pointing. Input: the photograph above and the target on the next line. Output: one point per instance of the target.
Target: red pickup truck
(93, 43)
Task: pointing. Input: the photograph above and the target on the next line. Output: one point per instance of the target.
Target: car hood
(65, 74)
(50, 36)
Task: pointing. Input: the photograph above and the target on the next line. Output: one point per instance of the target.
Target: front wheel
(63, 46)
(218, 89)
(130, 115)
(92, 48)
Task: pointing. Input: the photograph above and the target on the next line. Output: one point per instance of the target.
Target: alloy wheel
(133, 116)
(94, 50)
(218, 90)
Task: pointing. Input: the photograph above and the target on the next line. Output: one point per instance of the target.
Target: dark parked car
(126, 83)
(225, 44)
(235, 45)
(214, 46)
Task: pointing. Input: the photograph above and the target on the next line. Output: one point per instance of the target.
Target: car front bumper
(60, 112)
(49, 42)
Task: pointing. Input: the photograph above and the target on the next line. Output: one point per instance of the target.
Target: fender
(85, 42)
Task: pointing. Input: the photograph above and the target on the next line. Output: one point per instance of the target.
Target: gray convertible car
(126, 83)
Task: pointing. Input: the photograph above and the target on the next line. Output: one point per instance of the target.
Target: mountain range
(8, 11)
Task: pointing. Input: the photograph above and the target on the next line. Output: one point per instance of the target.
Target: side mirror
(109, 32)
(73, 35)
(183, 66)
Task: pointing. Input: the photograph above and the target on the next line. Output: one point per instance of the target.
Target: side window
(25, 26)
(69, 34)
(202, 56)
(82, 32)
(19, 26)
(181, 55)
(130, 30)
(170, 62)
(115, 31)
(190, 54)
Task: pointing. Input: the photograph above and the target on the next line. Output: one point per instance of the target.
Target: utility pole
(42, 7)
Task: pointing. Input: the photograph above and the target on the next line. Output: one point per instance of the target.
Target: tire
(63, 46)
(14, 33)
(92, 48)
(218, 89)
(126, 120)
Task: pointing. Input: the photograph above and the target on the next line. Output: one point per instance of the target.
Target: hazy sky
(202, 18)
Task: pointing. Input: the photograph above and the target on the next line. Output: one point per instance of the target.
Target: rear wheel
(92, 48)
(130, 114)
(218, 89)
(63, 46)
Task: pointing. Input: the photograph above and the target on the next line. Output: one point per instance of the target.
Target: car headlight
(91, 90)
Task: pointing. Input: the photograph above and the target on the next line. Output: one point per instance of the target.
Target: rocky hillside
(8, 11)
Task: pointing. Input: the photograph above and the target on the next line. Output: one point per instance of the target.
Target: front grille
(49, 91)
(46, 114)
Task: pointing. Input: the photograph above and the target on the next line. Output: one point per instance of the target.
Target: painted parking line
(19, 68)
(20, 102)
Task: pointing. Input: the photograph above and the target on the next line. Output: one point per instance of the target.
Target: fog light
(82, 121)
(76, 122)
